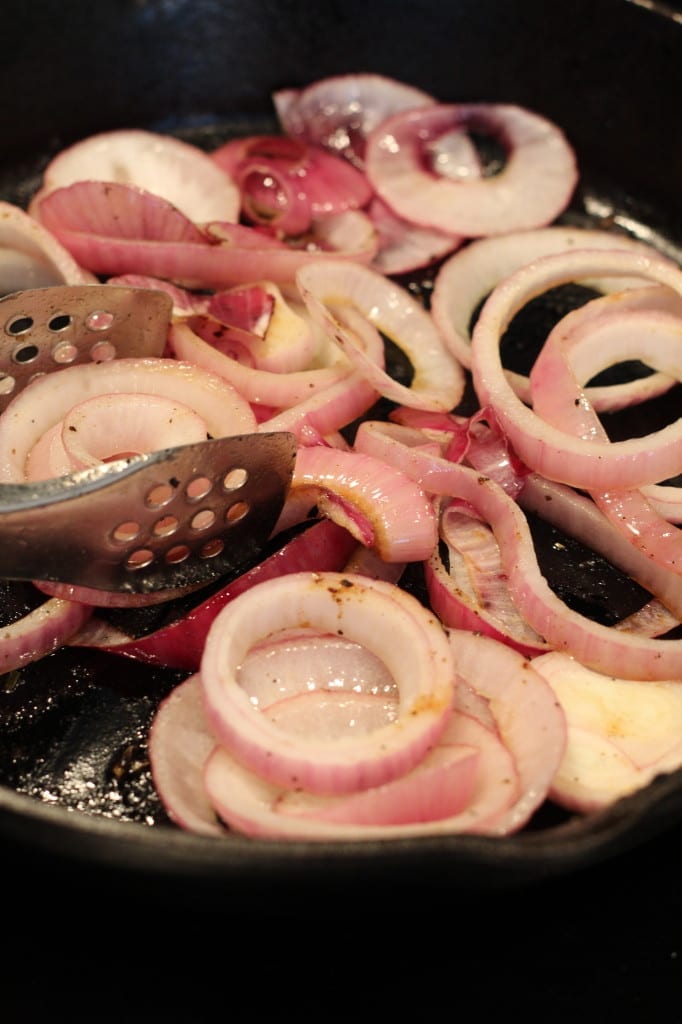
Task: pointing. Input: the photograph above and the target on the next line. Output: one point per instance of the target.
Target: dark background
(605, 943)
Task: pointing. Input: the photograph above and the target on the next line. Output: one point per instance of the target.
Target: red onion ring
(533, 188)
(162, 164)
(553, 453)
(40, 632)
(326, 288)
(340, 111)
(389, 622)
(466, 279)
(31, 256)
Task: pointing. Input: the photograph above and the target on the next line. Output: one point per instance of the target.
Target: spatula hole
(99, 320)
(125, 532)
(236, 512)
(159, 495)
(198, 488)
(177, 554)
(25, 354)
(140, 559)
(102, 352)
(203, 520)
(165, 527)
(20, 325)
(212, 548)
(59, 322)
(235, 479)
(64, 352)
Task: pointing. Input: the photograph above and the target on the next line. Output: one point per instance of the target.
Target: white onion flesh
(366, 611)
(534, 186)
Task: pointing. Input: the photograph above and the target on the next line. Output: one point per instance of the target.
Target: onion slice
(47, 399)
(340, 111)
(532, 724)
(467, 277)
(389, 622)
(319, 547)
(31, 256)
(534, 186)
(622, 733)
(553, 453)
(162, 164)
(40, 632)
(329, 288)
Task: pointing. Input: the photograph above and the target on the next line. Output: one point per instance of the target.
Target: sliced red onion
(184, 300)
(466, 279)
(112, 426)
(471, 592)
(597, 466)
(533, 188)
(322, 546)
(113, 211)
(409, 450)
(327, 410)
(162, 164)
(40, 632)
(595, 336)
(199, 339)
(597, 646)
(31, 256)
(531, 722)
(578, 516)
(286, 184)
(303, 661)
(282, 339)
(253, 806)
(650, 334)
(383, 508)
(639, 324)
(652, 619)
(367, 562)
(329, 288)
(47, 399)
(390, 623)
(621, 732)
(340, 111)
(249, 307)
(403, 246)
(118, 229)
(441, 786)
(179, 744)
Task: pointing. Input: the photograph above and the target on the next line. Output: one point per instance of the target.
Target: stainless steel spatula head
(169, 519)
(174, 518)
(47, 329)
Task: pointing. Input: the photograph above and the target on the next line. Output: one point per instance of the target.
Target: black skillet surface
(75, 791)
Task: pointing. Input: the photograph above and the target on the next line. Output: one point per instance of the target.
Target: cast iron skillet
(74, 780)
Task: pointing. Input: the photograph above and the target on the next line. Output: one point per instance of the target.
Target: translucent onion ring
(466, 279)
(390, 623)
(534, 186)
(559, 456)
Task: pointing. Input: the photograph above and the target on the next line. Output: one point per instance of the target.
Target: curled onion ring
(532, 189)
(553, 453)
(387, 621)
(468, 276)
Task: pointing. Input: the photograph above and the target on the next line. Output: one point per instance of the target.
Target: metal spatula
(177, 517)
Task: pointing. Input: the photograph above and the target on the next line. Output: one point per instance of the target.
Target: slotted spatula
(171, 518)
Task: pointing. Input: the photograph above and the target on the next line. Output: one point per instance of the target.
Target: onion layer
(389, 622)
